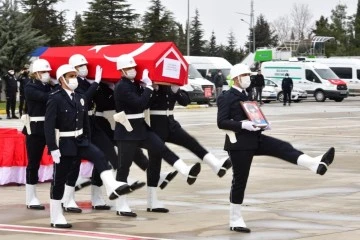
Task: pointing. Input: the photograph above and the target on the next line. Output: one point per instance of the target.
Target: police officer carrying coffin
(67, 133)
(98, 138)
(287, 86)
(10, 93)
(36, 94)
(250, 142)
(23, 79)
(104, 111)
(132, 132)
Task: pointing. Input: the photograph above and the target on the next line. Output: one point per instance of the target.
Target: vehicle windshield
(193, 73)
(326, 74)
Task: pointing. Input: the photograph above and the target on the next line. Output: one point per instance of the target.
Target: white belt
(37, 119)
(99, 114)
(71, 133)
(135, 116)
(161, 112)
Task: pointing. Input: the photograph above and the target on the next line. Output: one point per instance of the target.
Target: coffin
(163, 60)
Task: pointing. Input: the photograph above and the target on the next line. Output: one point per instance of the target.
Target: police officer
(104, 111)
(250, 142)
(23, 79)
(67, 133)
(287, 86)
(89, 89)
(36, 93)
(132, 132)
(10, 93)
(169, 130)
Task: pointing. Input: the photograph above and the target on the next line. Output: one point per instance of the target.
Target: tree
(77, 25)
(196, 36)
(158, 24)
(357, 26)
(301, 18)
(109, 22)
(47, 20)
(231, 52)
(181, 38)
(212, 48)
(282, 28)
(264, 36)
(17, 38)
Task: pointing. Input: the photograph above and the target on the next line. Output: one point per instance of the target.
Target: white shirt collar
(237, 88)
(69, 92)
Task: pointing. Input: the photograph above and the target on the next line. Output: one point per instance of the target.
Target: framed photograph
(254, 113)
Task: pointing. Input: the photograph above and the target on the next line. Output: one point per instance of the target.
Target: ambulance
(347, 69)
(318, 80)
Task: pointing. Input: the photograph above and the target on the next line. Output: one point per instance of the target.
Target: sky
(221, 16)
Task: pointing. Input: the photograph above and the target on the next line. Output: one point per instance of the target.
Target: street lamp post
(251, 24)
(250, 33)
(188, 30)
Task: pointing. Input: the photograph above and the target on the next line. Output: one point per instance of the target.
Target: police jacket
(104, 98)
(133, 99)
(23, 80)
(88, 90)
(10, 85)
(219, 80)
(230, 113)
(164, 99)
(64, 114)
(259, 80)
(36, 94)
(287, 84)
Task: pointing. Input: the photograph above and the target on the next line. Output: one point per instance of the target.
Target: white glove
(98, 74)
(249, 125)
(145, 78)
(56, 156)
(175, 88)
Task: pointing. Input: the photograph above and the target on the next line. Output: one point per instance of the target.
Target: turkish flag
(163, 60)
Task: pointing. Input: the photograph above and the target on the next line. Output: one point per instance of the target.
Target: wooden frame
(254, 113)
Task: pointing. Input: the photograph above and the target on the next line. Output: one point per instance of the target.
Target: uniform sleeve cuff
(150, 87)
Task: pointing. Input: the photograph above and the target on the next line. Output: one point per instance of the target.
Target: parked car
(297, 94)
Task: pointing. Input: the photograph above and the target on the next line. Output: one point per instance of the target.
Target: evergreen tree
(264, 37)
(17, 38)
(196, 36)
(231, 52)
(357, 26)
(109, 22)
(77, 25)
(158, 24)
(181, 38)
(50, 22)
(212, 49)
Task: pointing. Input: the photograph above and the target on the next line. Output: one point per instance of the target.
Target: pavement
(282, 201)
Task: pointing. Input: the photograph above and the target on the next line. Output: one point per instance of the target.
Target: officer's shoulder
(54, 93)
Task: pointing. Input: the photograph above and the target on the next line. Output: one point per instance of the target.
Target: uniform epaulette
(56, 91)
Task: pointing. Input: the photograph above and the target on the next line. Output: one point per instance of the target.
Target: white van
(198, 88)
(207, 65)
(346, 69)
(316, 79)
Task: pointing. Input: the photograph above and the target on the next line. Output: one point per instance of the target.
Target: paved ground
(283, 201)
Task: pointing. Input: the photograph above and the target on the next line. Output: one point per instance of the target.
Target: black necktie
(243, 91)
(73, 98)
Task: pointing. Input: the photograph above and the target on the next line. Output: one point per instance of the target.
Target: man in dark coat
(259, 84)
(287, 86)
(10, 93)
(23, 79)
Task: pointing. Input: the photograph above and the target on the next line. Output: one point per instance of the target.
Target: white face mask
(11, 72)
(245, 82)
(83, 71)
(73, 83)
(130, 74)
(44, 77)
